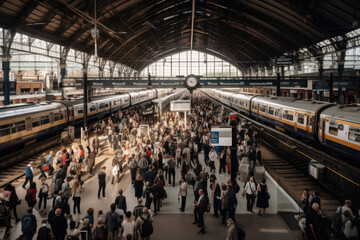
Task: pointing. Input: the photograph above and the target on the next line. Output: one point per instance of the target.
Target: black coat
(203, 204)
(139, 187)
(59, 226)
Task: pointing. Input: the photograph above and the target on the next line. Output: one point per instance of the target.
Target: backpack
(57, 187)
(100, 233)
(73, 170)
(3, 210)
(146, 228)
(27, 226)
(236, 187)
(337, 220)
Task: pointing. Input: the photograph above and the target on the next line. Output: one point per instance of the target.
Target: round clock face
(191, 81)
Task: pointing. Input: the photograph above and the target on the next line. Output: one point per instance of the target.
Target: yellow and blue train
(22, 125)
(336, 127)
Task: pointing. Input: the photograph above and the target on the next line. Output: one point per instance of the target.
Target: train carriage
(339, 130)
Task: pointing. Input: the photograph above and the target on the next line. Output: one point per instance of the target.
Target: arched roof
(136, 32)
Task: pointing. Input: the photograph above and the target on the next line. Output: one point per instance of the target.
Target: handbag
(268, 195)
(46, 167)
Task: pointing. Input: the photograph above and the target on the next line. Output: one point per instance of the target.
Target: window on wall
(191, 62)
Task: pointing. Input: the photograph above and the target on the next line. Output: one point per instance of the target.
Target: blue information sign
(214, 137)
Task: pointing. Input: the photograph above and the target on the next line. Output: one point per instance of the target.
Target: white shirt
(250, 186)
(182, 190)
(128, 228)
(212, 156)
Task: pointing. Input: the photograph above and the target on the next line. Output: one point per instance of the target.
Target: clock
(191, 81)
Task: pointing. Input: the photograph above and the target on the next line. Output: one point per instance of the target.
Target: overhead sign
(180, 106)
(221, 136)
(284, 60)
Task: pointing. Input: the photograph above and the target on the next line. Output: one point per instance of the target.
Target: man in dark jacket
(120, 201)
(150, 175)
(313, 222)
(112, 222)
(44, 232)
(59, 225)
(102, 181)
(200, 208)
(258, 156)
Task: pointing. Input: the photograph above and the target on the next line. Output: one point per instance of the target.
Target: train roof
(31, 108)
(246, 96)
(345, 112)
(96, 98)
(305, 105)
(159, 100)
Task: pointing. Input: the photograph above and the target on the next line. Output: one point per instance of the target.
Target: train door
(307, 124)
(296, 120)
(322, 132)
(51, 116)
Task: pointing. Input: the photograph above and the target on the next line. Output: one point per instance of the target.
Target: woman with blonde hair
(76, 190)
(139, 185)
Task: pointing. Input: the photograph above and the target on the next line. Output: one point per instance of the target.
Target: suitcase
(244, 172)
(259, 173)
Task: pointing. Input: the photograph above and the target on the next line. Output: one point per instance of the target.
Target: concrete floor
(170, 223)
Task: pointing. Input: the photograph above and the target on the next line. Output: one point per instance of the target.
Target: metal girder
(8, 37)
(63, 54)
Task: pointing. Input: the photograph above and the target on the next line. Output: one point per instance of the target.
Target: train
(333, 126)
(161, 105)
(22, 125)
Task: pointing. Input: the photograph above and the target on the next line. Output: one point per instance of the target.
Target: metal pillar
(331, 88)
(278, 92)
(6, 69)
(62, 76)
(85, 98)
(234, 160)
(340, 71)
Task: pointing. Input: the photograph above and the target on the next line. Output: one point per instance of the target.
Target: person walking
(171, 165)
(49, 161)
(200, 208)
(43, 194)
(263, 199)
(139, 186)
(28, 174)
(138, 209)
(14, 201)
(182, 193)
(143, 224)
(313, 222)
(215, 193)
(231, 233)
(133, 168)
(76, 190)
(29, 224)
(224, 203)
(30, 196)
(212, 157)
(95, 144)
(250, 190)
(120, 201)
(112, 222)
(102, 182)
(59, 225)
(232, 201)
(128, 227)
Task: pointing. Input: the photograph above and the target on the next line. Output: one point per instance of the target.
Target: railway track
(291, 172)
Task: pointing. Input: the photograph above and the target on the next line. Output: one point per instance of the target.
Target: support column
(62, 76)
(85, 98)
(340, 71)
(278, 92)
(234, 160)
(6, 69)
(331, 88)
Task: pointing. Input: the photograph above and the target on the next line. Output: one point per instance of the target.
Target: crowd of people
(152, 162)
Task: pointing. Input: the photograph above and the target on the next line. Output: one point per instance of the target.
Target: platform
(169, 220)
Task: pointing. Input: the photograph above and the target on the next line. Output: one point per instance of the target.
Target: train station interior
(179, 119)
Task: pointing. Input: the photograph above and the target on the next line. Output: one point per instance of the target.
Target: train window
(278, 112)
(106, 104)
(354, 134)
(36, 122)
(20, 126)
(289, 115)
(333, 129)
(44, 119)
(341, 127)
(301, 118)
(101, 106)
(263, 108)
(115, 103)
(28, 123)
(92, 108)
(4, 130)
(310, 121)
(253, 106)
(80, 110)
(271, 110)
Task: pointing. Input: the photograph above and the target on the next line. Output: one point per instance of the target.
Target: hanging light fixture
(95, 31)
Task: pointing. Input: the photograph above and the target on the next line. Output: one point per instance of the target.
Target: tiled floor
(170, 223)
